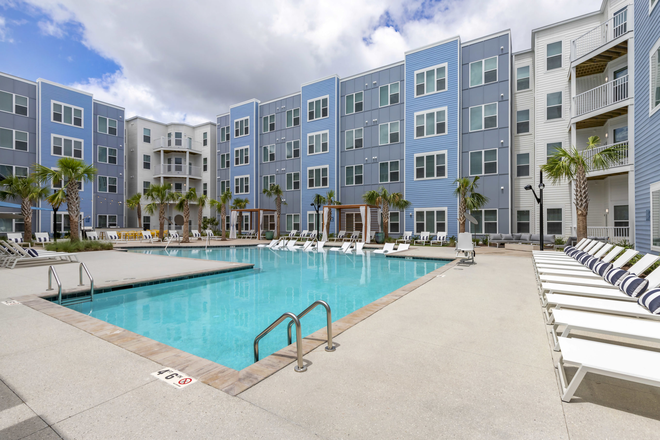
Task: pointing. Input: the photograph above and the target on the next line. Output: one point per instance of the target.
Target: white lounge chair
(401, 248)
(195, 233)
(359, 248)
(291, 245)
(465, 246)
(355, 236)
(407, 237)
(269, 245)
(303, 234)
(307, 245)
(387, 247)
(174, 236)
(280, 244)
(92, 235)
(557, 256)
(372, 236)
(43, 238)
(312, 235)
(113, 237)
(209, 233)
(146, 236)
(571, 265)
(343, 247)
(16, 254)
(600, 305)
(439, 238)
(292, 234)
(424, 238)
(340, 236)
(16, 237)
(319, 246)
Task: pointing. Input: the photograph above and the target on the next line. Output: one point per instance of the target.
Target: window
(486, 221)
(389, 94)
(553, 222)
(268, 123)
(293, 222)
(433, 220)
(620, 134)
(551, 149)
(268, 153)
(146, 222)
(317, 143)
(106, 221)
(242, 185)
(62, 223)
(317, 108)
(12, 103)
(268, 181)
(389, 171)
(389, 133)
(522, 165)
(522, 121)
(395, 222)
(241, 156)
(554, 105)
(13, 139)
(10, 170)
(354, 103)
(292, 181)
(621, 221)
(146, 135)
(354, 138)
(293, 118)
(205, 164)
(178, 139)
(145, 186)
(292, 149)
(655, 78)
(241, 127)
(224, 160)
(431, 123)
(65, 114)
(107, 126)
(68, 147)
(317, 177)
(354, 222)
(483, 72)
(553, 60)
(269, 222)
(224, 186)
(311, 220)
(224, 134)
(107, 155)
(353, 175)
(522, 222)
(205, 139)
(522, 78)
(431, 80)
(169, 139)
(58, 185)
(655, 216)
(483, 162)
(107, 184)
(430, 165)
(483, 117)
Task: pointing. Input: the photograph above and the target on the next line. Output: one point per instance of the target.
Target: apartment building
(179, 154)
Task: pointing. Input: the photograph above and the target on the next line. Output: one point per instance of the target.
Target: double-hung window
(551, 149)
(12, 103)
(292, 149)
(522, 121)
(317, 177)
(241, 156)
(67, 147)
(107, 126)
(389, 172)
(554, 101)
(106, 221)
(224, 161)
(522, 222)
(395, 222)
(293, 118)
(317, 142)
(107, 155)
(522, 165)
(317, 108)
(10, 170)
(354, 175)
(268, 123)
(483, 72)
(553, 224)
(486, 221)
(145, 186)
(354, 138)
(389, 133)
(293, 222)
(292, 181)
(242, 127)
(431, 80)
(483, 117)
(522, 78)
(483, 162)
(66, 114)
(242, 185)
(431, 165)
(389, 94)
(354, 222)
(205, 139)
(13, 139)
(655, 79)
(146, 135)
(205, 164)
(224, 134)
(58, 184)
(433, 220)
(178, 139)
(655, 216)
(268, 153)
(553, 60)
(354, 102)
(431, 122)
(224, 186)
(107, 184)
(268, 181)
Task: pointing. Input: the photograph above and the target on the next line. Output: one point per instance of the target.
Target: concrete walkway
(463, 356)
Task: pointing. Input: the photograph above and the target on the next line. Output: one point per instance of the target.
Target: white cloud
(194, 61)
(4, 31)
(51, 28)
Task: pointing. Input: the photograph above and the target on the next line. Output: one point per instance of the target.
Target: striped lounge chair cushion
(633, 286)
(651, 301)
(592, 262)
(568, 250)
(615, 276)
(584, 258)
(41, 239)
(33, 252)
(601, 268)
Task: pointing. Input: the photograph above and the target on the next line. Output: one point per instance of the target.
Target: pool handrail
(51, 272)
(330, 346)
(91, 279)
(298, 368)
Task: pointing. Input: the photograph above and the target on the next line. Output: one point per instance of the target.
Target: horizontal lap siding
(107, 203)
(248, 109)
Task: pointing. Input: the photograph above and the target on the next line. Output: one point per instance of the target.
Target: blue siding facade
(249, 110)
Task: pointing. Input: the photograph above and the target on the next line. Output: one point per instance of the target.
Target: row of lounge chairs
(12, 253)
(587, 289)
(424, 238)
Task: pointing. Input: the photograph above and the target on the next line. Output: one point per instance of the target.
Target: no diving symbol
(185, 381)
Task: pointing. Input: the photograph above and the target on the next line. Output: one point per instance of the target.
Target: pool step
(76, 300)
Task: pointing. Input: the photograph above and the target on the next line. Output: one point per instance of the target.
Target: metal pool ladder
(51, 272)
(91, 280)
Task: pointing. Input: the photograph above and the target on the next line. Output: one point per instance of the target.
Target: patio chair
(303, 234)
(280, 244)
(292, 234)
(439, 238)
(620, 261)
(174, 235)
(20, 255)
(43, 238)
(387, 247)
(312, 236)
(146, 236)
(423, 238)
(318, 248)
(407, 237)
(195, 233)
(114, 237)
(340, 236)
(269, 245)
(307, 245)
(401, 248)
(349, 249)
(343, 247)
(212, 236)
(16, 237)
(372, 236)
(92, 235)
(465, 246)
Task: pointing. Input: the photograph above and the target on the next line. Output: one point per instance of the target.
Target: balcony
(176, 145)
(613, 234)
(603, 96)
(622, 155)
(182, 171)
(603, 35)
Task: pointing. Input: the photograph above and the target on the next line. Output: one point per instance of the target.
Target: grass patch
(79, 246)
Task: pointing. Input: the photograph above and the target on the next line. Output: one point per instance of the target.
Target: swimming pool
(217, 317)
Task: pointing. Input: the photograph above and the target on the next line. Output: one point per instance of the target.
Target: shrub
(79, 246)
(559, 241)
(485, 240)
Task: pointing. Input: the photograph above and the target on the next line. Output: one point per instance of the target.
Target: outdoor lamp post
(55, 208)
(539, 200)
(317, 207)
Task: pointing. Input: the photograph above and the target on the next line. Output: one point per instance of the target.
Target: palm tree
(135, 202)
(183, 205)
(70, 172)
(29, 191)
(330, 200)
(240, 204)
(222, 204)
(573, 165)
(202, 201)
(56, 199)
(318, 200)
(276, 192)
(159, 196)
(384, 200)
(470, 199)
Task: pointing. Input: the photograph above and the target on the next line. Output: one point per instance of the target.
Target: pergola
(260, 212)
(364, 214)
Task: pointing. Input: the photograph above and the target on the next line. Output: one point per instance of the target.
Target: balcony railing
(614, 234)
(185, 144)
(622, 154)
(172, 170)
(602, 34)
(601, 97)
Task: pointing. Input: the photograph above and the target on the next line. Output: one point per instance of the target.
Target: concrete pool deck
(465, 355)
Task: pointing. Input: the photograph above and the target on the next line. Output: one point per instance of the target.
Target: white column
(162, 163)
(570, 186)
(187, 170)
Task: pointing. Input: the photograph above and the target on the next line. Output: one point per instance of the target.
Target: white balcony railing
(622, 154)
(614, 234)
(602, 34)
(183, 144)
(172, 170)
(601, 96)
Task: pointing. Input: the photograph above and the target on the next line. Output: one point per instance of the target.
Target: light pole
(317, 207)
(539, 200)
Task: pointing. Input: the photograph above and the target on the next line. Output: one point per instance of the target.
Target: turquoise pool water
(217, 317)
